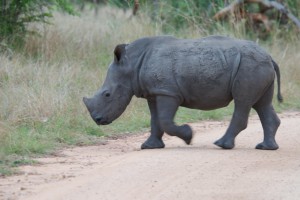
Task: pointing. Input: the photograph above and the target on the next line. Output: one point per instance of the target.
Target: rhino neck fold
(136, 83)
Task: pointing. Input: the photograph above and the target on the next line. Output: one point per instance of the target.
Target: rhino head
(111, 100)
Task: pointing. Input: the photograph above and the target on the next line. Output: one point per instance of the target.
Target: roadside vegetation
(43, 82)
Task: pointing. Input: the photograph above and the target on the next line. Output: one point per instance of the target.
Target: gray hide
(204, 74)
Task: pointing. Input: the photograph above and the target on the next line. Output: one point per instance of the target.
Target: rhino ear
(119, 52)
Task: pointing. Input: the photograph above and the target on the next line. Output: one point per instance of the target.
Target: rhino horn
(87, 102)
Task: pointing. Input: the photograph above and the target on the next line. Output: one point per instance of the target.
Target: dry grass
(42, 88)
(34, 91)
(67, 61)
(287, 55)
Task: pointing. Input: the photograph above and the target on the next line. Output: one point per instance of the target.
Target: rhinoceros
(205, 74)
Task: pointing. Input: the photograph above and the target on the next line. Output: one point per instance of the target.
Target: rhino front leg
(155, 139)
(166, 108)
(238, 123)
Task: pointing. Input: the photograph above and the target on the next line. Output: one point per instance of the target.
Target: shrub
(15, 15)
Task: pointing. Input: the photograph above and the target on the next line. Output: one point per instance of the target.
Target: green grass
(41, 87)
(8, 166)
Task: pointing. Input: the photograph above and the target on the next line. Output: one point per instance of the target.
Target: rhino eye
(107, 94)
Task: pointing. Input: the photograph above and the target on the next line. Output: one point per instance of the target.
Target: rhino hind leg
(167, 107)
(269, 120)
(270, 123)
(238, 123)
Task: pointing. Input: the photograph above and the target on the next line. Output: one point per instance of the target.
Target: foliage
(179, 15)
(15, 15)
(182, 14)
(294, 6)
(175, 15)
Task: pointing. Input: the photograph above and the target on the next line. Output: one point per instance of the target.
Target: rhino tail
(276, 67)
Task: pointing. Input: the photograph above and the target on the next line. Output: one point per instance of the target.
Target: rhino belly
(206, 102)
(205, 81)
(206, 94)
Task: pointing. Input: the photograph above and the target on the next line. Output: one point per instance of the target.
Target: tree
(15, 15)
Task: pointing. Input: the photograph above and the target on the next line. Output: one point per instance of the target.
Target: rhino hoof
(267, 146)
(188, 134)
(153, 144)
(224, 144)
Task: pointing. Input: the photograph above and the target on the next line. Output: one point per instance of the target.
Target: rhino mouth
(103, 123)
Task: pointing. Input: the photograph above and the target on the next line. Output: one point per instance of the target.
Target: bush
(15, 15)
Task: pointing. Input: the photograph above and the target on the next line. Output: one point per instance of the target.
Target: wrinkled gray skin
(203, 74)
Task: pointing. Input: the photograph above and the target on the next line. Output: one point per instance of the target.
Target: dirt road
(120, 170)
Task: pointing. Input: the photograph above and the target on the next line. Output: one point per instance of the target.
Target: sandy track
(119, 170)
